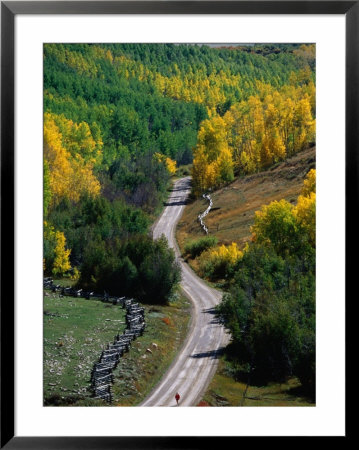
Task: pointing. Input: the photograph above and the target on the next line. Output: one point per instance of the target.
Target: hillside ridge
(235, 204)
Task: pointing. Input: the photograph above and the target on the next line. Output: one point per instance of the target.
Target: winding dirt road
(195, 365)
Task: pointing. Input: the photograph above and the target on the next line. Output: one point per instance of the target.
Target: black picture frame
(9, 9)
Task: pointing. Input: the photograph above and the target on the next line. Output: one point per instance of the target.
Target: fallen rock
(148, 350)
(154, 345)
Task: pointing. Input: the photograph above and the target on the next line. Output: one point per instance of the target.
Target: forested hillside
(118, 118)
(270, 307)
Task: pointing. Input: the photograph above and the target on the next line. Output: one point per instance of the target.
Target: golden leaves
(171, 165)
(254, 134)
(61, 261)
(70, 174)
(309, 183)
(304, 213)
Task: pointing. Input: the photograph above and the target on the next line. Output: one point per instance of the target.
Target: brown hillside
(234, 205)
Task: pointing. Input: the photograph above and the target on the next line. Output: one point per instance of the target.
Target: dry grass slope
(234, 205)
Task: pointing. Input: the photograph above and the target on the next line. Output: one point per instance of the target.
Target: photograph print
(179, 212)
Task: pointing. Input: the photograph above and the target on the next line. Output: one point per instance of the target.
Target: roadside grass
(234, 206)
(152, 354)
(229, 221)
(75, 332)
(225, 391)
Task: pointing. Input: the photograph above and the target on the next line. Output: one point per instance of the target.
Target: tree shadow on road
(179, 189)
(213, 312)
(175, 202)
(212, 354)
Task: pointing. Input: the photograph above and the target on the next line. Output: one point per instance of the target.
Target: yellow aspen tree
(311, 91)
(266, 153)
(275, 223)
(57, 158)
(231, 253)
(50, 243)
(256, 116)
(211, 175)
(225, 165)
(304, 212)
(213, 163)
(61, 261)
(309, 183)
(211, 136)
(219, 260)
(46, 188)
(286, 114)
(69, 176)
(109, 56)
(263, 89)
(236, 124)
(245, 162)
(305, 124)
(199, 171)
(278, 147)
(78, 139)
(271, 116)
(83, 181)
(171, 165)
(251, 163)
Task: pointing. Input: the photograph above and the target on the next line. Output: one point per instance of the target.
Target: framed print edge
(9, 11)
(351, 173)
(7, 225)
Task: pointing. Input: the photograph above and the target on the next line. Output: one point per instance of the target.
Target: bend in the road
(195, 364)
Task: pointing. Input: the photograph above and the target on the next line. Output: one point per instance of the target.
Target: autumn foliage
(70, 155)
(170, 165)
(56, 253)
(285, 226)
(120, 118)
(218, 262)
(254, 134)
(270, 307)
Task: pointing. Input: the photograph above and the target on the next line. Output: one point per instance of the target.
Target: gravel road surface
(195, 365)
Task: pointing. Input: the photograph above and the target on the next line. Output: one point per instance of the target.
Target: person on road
(177, 397)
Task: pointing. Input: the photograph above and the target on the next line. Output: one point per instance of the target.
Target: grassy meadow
(76, 330)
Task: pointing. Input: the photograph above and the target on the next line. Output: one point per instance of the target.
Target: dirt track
(196, 363)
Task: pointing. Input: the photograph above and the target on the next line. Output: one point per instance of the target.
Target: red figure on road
(177, 397)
